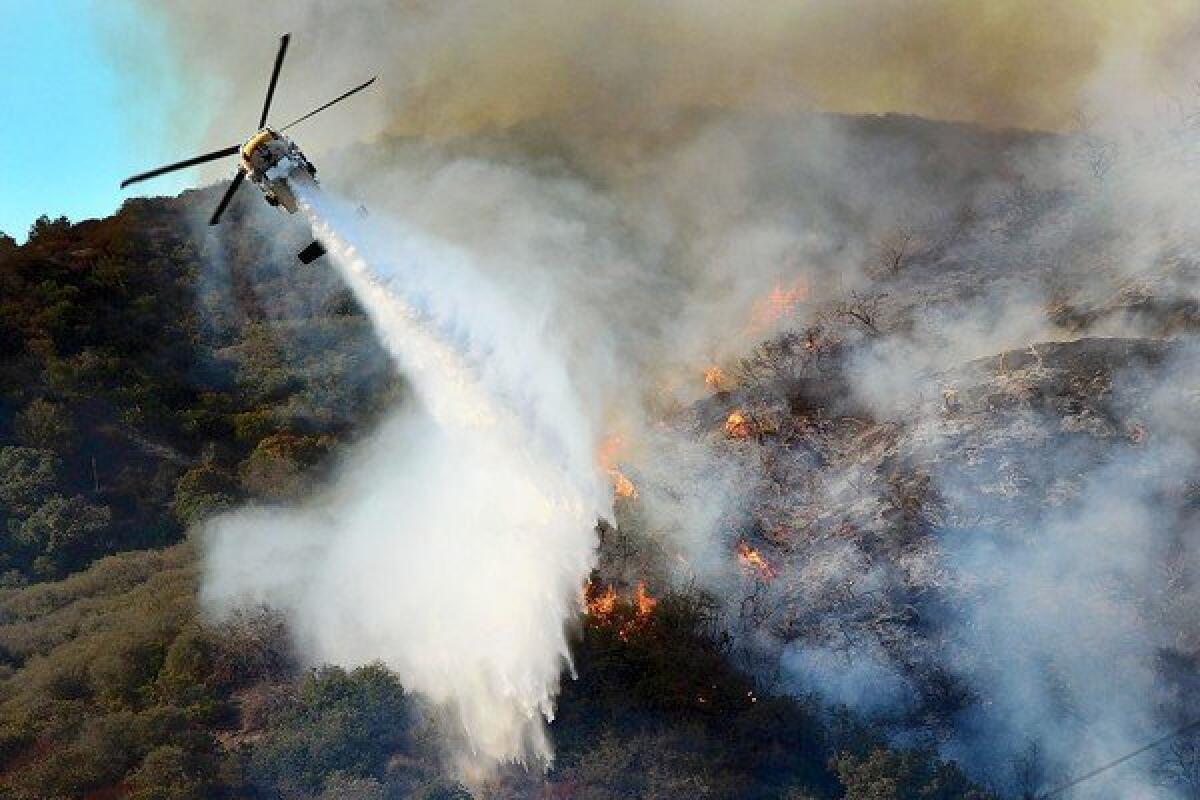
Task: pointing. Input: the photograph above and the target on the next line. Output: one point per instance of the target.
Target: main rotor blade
(283, 45)
(338, 99)
(233, 187)
(191, 162)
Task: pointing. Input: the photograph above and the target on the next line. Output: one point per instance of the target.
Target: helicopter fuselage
(268, 158)
(275, 164)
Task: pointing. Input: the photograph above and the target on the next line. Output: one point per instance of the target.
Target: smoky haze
(601, 69)
(641, 181)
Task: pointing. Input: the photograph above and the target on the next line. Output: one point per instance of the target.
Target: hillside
(142, 388)
(142, 393)
(959, 498)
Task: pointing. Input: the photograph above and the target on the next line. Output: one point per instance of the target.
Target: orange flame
(714, 379)
(738, 425)
(605, 609)
(752, 559)
(643, 607)
(622, 486)
(606, 454)
(643, 603)
(781, 302)
(600, 605)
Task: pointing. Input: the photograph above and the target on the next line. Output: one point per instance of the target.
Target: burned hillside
(955, 549)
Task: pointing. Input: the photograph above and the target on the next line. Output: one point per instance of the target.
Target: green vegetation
(115, 686)
(149, 378)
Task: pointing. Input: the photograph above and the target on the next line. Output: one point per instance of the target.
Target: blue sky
(71, 124)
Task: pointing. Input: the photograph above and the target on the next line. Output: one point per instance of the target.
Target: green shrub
(341, 722)
(202, 491)
(65, 530)
(885, 774)
(27, 478)
(278, 468)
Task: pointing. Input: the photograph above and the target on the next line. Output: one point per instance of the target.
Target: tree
(885, 774)
(64, 529)
(661, 765)
(104, 748)
(201, 491)
(862, 311)
(278, 466)
(172, 772)
(44, 425)
(27, 478)
(345, 787)
(341, 722)
(253, 646)
(44, 226)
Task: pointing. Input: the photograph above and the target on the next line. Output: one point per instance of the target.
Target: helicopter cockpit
(271, 160)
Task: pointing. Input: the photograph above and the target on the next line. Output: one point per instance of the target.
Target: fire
(606, 454)
(643, 607)
(600, 605)
(606, 609)
(738, 425)
(781, 302)
(622, 486)
(752, 559)
(714, 379)
(643, 603)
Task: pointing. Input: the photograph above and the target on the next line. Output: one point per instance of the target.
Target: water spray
(455, 541)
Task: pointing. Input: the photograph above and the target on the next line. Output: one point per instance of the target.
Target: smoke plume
(596, 68)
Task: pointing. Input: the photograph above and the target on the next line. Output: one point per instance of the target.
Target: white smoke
(453, 545)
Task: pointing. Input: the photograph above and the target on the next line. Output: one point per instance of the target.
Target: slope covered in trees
(114, 686)
(140, 393)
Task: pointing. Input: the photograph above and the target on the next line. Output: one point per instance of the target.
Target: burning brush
(606, 455)
(715, 380)
(777, 305)
(604, 608)
(738, 425)
(754, 561)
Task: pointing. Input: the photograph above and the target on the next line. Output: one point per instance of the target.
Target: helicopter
(272, 161)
